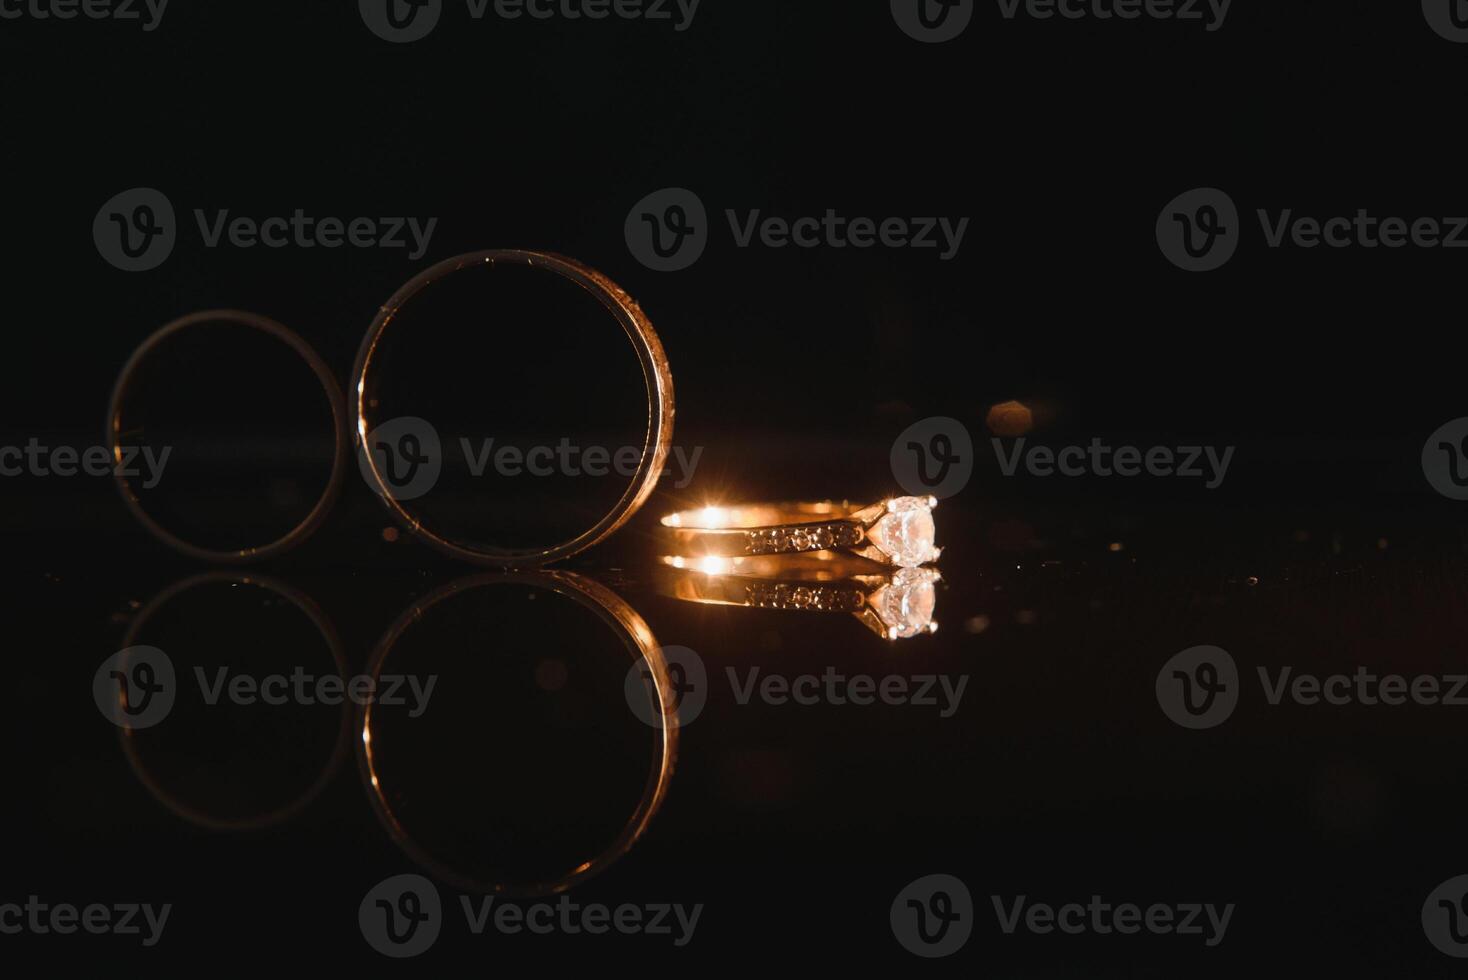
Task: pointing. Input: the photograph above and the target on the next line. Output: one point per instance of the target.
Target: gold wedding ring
(117, 429)
(655, 371)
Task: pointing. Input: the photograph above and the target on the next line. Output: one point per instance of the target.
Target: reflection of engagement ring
(898, 531)
(895, 604)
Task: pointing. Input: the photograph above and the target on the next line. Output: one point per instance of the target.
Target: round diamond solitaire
(906, 532)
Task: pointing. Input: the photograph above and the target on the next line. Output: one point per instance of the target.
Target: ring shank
(767, 529)
(763, 515)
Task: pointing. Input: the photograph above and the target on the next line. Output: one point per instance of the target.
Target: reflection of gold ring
(655, 371)
(339, 751)
(613, 610)
(895, 604)
(323, 374)
(897, 531)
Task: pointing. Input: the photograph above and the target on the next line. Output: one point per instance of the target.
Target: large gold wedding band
(655, 372)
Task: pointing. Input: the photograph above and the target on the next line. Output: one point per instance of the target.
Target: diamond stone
(905, 604)
(906, 531)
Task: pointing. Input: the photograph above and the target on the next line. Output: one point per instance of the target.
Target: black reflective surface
(1059, 774)
(1055, 774)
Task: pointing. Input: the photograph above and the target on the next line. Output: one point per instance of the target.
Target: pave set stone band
(897, 531)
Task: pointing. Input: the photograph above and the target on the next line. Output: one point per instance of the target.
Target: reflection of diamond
(906, 531)
(905, 603)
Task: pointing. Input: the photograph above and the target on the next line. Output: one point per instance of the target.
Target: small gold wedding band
(116, 429)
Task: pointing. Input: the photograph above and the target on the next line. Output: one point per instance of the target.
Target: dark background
(1059, 778)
